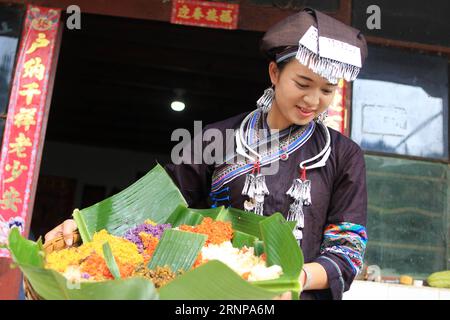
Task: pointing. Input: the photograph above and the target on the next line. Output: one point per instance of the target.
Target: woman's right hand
(65, 229)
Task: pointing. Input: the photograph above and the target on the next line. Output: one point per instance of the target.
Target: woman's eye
(326, 91)
(303, 86)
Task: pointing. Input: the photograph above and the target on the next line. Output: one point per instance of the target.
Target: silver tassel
(306, 193)
(296, 214)
(300, 191)
(249, 179)
(256, 189)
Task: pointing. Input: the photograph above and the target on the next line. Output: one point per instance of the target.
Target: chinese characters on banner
(205, 14)
(26, 111)
(336, 112)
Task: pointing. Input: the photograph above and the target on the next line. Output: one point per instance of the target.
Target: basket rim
(30, 293)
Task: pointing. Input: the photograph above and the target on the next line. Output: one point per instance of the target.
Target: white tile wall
(444, 294)
(366, 290)
(402, 292)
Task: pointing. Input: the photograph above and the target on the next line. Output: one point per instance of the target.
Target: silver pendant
(300, 191)
(306, 193)
(265, 102)
(296, 214)
(256, 189)
(249, 205)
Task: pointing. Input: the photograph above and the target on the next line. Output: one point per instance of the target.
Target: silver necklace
(284, 156)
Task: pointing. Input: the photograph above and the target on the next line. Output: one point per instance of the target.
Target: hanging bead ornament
(300, 191)
(284, 155)
(256, 189)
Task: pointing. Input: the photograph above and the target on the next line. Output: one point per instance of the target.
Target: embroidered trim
(216, 199)
(348, 240)
(229, 172)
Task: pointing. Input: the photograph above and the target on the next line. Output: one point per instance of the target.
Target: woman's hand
(65, 229)
(288, 295)
(302, 279)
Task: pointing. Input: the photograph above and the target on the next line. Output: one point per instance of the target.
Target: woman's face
(300, 95)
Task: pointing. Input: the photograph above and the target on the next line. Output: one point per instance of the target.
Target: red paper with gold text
(23, 129)
(205, 14)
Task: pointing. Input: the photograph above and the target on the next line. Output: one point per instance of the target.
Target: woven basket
(53, 245)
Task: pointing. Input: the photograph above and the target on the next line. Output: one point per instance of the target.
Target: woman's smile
(305, 112)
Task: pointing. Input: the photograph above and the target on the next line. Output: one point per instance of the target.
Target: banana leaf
(243, 221)
(51, 285)
(110, 261)
(222, 282)
(183, 215)
(281, 248)
(214, 213)
(177, 249)
(259, 247)
(205, 282)
(241, 239)
(192, 217)
(154, 197)
(213, 281)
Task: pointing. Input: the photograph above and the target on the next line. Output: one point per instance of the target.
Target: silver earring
(321, 117)
(265, 102)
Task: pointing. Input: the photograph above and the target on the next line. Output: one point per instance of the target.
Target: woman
(316, 175)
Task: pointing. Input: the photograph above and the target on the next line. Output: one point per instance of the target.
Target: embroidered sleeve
(347, 240)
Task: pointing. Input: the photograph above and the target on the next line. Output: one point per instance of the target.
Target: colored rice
(217, 231)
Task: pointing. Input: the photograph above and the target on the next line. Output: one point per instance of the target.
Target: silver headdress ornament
(325, 45)
(335, 59)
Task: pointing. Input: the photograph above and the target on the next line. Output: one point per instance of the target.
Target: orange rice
(217, 231)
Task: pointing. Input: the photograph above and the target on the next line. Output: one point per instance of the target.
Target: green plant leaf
(282, 284)
(241, 239)
(291, 224)
(110, 261)
(177, 249)
(213, 281)
(183, 215)
(26, 251)
(281, 247)
(52, 285)
(213, 213)
(154, 197)
(243, 221)
(86, 236)
(259, 247)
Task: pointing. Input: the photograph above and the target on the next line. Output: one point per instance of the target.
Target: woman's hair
(272, 55)
(282, 64)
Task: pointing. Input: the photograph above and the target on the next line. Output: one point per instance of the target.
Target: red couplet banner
(26, 110)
